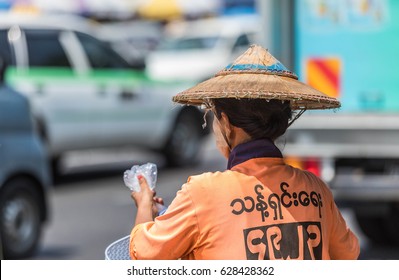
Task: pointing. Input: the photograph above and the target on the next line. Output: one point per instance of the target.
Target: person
(259, 207)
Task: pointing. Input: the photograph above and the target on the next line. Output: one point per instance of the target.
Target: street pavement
(91, 207)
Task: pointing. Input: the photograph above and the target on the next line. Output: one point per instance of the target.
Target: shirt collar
(259, 148)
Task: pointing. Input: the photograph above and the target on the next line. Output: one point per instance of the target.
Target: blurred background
(85, 93)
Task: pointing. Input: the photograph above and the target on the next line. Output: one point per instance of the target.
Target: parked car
(196, 50)
(133, 40)
(84, 95)
(24, 178)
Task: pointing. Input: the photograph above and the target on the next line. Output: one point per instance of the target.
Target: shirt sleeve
(170, 236)
(344, 245)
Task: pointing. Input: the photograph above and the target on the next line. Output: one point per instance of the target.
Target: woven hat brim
(256, 86)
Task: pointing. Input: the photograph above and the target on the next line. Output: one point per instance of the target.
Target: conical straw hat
(257, 74)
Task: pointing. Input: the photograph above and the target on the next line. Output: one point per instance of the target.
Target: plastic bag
(148, 170)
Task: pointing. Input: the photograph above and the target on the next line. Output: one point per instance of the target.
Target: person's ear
(227, 127)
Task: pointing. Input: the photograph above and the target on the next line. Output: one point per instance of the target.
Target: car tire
(392, 225)
(184, 142)
(57, 167)
(20, 218)
(372, 227)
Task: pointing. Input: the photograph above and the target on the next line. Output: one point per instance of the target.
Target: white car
(196, 50)
(84, 95)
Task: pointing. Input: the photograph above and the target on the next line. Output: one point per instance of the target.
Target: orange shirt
(260, 209)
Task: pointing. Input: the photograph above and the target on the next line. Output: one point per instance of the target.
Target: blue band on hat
(274, 67)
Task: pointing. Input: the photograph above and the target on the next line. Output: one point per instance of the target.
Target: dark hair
(260, 118)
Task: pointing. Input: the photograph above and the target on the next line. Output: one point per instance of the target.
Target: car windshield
(100, 55)
(188, 43)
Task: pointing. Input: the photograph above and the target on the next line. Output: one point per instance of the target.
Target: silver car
(24, 178)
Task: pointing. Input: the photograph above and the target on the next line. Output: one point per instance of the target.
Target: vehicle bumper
(366, 187)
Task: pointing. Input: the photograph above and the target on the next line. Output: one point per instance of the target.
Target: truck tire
(392, 225)
(381, 230)
(20, 224)
(373, 228)
(185, 141)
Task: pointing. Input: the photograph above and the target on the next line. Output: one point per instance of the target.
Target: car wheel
(20, 218)
(185, 141)
(372, 227)
(392, 225)
(55, 161)
(381, 230)
(56, 166)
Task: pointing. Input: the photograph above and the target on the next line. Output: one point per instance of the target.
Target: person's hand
(145, 201)
(143, 198)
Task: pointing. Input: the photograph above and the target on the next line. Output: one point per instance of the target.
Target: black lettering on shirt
(274, 202)
(288, 241)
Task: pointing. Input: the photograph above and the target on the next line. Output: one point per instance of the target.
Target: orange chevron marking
(324, 74)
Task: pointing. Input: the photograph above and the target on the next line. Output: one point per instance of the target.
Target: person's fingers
(143, 182)
(159, 200)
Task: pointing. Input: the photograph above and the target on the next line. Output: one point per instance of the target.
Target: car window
(242, 41)
(5, 51)
(100, 55)
(45, 49)
(189, 43)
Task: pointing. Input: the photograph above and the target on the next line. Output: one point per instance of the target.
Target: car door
(60, 98)
(126, 106)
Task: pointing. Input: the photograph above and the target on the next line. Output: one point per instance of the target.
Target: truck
(348, 50)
